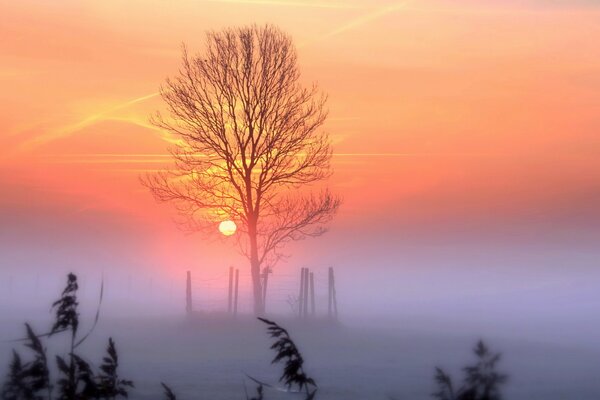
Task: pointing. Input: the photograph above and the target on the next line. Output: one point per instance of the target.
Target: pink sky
(458, 125)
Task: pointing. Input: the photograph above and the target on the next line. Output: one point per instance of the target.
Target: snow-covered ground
(209, 359)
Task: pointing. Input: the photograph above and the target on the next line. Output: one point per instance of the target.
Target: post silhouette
(312, 295)
(301, 294)
(329, 300)
(333, 294)
(235, 299)
(230, 297)
(305, 294)
(188, 293)
(332, 301)
(266, 272)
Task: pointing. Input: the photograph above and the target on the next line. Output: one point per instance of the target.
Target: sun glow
(227, 228)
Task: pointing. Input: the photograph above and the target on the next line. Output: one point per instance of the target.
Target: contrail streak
(365, 19)
(360, 21)
(85, 122)
(308, 4)
(352, 24)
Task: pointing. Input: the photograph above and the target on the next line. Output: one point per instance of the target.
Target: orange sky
(450, 119)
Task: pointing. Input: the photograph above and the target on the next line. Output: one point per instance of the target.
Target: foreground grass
(76, 378)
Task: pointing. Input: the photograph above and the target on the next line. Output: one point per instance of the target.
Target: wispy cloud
(104, 115)
(367, 18)
(361, 20)
(120, 158)
(291, 3)
(69, 129)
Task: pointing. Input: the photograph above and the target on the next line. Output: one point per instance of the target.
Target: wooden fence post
(188, 293)
(334, 295)
(312, 294)
(301, 295)
(266, 271)
(305, 295)
(329, 293)
(230, 297)
(235, 301)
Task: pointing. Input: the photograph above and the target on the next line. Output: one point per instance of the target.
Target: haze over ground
(466, 149)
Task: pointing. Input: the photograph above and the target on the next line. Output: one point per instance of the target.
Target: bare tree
(248, 144)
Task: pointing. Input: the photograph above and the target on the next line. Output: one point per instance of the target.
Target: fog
(398, 319)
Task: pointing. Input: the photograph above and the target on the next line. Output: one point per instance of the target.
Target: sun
(227, 228)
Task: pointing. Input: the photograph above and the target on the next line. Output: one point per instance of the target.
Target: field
(209, 358)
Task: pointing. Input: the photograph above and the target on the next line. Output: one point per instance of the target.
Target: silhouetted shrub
(109, 384)
(169, 395)
(77, 380)
(29, 381)
(293, 372)
(481, 381)
(259, 393)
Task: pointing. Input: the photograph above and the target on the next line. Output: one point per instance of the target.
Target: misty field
(210, 359)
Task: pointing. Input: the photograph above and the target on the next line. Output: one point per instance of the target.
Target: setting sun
(227, 228)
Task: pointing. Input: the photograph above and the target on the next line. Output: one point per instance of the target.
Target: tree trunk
(259, 306)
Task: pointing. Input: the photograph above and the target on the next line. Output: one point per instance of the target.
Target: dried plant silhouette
(76, 378)
(293, 372)
(110, 385)
(79, 380)
(30, 380)
(169, 395)
(259, 393)
(481, 381)
(248, 143)
(67, 319)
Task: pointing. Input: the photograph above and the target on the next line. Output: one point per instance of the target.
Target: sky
(465, 133)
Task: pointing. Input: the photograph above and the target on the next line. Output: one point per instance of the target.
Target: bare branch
(248, 132)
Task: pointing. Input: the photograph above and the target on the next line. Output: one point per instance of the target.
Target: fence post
(235, 301)
(188, 293)
(312, 294)
(334, 295)
(266, 271)
(329, 293)
(230, 297)
(305, 296)
(301, 295)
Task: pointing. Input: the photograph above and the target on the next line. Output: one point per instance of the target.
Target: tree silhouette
(247, 144)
